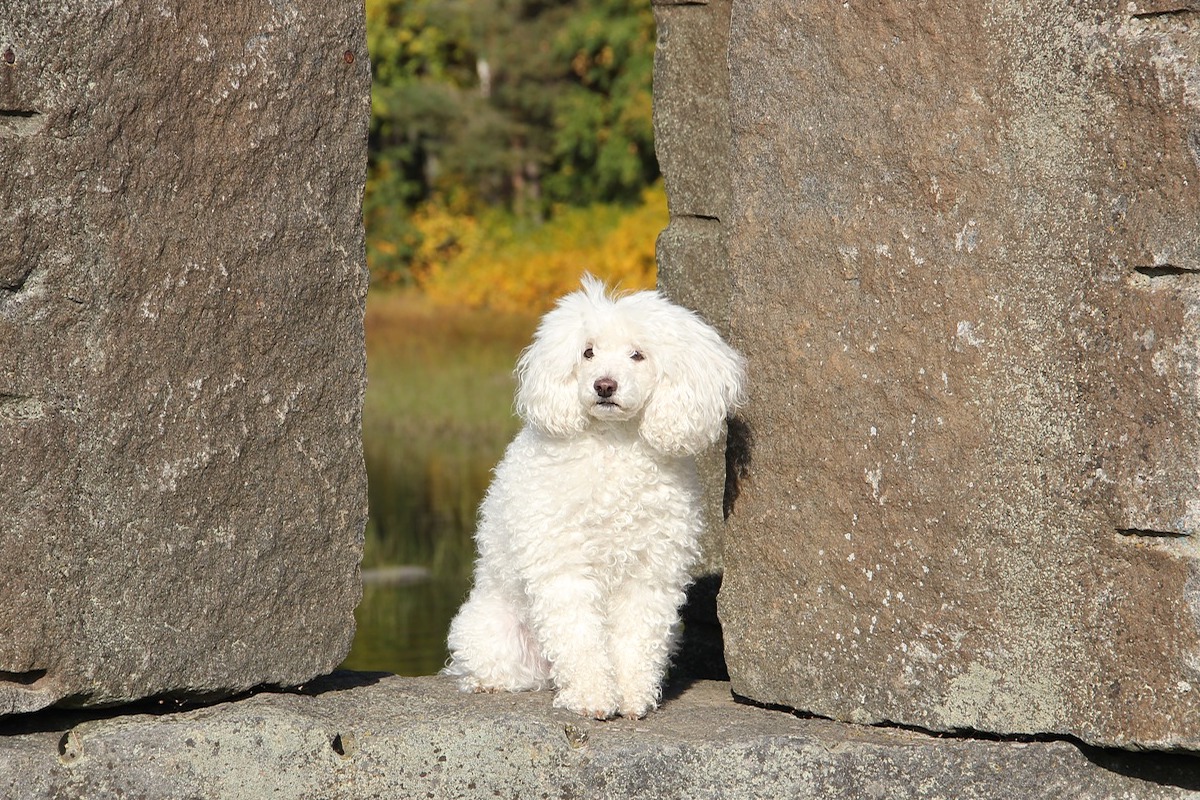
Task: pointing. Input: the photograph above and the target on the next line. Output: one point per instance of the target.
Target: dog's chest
(621, 490)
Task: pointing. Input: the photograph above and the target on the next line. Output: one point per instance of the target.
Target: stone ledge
(360, 735)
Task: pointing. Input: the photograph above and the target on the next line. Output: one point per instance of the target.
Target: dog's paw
(636, 708)
(597, 705)
(635, 712)
(471, 684)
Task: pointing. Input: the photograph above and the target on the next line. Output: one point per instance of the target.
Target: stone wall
(182, 280)
(959, 248)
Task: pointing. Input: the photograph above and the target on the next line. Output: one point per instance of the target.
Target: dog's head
(636, 359)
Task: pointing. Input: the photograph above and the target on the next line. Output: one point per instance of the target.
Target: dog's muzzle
(605, 389)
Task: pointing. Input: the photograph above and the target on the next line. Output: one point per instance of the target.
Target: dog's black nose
(605, 387)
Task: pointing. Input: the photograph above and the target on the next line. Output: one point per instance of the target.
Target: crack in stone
(19, 121)
(12, 287)
(27, 678)
(1165, 271)
(1168, 10)
(1146, 533)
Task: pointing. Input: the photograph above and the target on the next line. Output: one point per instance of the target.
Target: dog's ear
(701, 382)
(547, 394)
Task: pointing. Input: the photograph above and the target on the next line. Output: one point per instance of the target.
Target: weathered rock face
(962, 243)
(181, 358)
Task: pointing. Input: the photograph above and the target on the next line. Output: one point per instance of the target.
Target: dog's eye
(588, 354)
(637, 356)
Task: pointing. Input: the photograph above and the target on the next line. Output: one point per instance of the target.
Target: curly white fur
(590, 526)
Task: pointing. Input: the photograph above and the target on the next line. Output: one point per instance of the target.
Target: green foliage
(421, 66)
(523, 105)
(604, 126)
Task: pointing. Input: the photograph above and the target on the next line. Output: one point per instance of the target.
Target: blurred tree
(603, 120)
(421, 63)
(517, 104)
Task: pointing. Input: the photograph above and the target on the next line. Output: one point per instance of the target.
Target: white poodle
(591, 524)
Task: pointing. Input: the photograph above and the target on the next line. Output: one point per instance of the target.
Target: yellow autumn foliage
(486, 262)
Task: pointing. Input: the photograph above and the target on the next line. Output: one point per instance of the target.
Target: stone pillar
(691, 135)
(961, 244)
(182, 279)
(691, 139)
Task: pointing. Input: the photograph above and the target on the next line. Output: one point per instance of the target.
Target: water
(417, 566)
(402, 626)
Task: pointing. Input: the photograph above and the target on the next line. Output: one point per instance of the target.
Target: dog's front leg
(567, 620)
(644, 623)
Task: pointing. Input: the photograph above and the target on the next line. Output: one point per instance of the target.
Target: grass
(437, 417)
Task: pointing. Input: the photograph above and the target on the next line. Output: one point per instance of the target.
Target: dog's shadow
(701, 654)
(739, 442)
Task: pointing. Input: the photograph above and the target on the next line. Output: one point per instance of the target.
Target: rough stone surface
(964, 248)
(367, 736)
(182, 493)
(691, 135)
